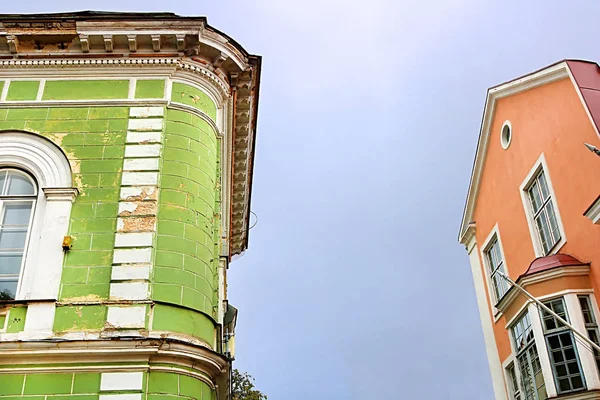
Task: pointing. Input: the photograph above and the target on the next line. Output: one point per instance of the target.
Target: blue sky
(354, 285)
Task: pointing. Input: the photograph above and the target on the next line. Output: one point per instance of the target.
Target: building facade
(126, 154)
(532, 213)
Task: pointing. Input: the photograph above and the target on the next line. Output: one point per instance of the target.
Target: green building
(126, 154)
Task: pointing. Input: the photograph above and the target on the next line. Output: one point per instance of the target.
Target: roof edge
(551, 73)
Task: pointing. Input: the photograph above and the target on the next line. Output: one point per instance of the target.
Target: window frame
(559, 331)
(524, 351)
(33, 199)
(513, 381)
(591, 326)
(540, 166)
(492, 236)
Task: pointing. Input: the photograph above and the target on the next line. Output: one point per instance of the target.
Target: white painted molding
(593, 213)
(51, 169)
(540, 342)
(61, 194)
(44, 160)
(496, 371)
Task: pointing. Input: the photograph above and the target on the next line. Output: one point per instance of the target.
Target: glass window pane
(19, 185)
(564, 385)
(2, 180)
(10, 264)
(8, 289)
(12, 239)
(543, 231)
(543, 185)
(577, 382)
(553, 224)
(534, 196)
(16, 213)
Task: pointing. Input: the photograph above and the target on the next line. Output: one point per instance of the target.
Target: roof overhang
(552, 73)
(90, 39)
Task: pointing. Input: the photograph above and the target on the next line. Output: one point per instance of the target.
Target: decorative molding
(114, 355)
(180, 64)
(61, 194)
(593, 211)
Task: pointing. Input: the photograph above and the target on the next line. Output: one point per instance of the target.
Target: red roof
(587, 76)
(541, 264)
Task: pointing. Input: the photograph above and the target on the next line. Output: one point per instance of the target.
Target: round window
(506, 134)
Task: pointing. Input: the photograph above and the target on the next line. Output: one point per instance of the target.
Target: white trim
(51, 169)
(494, 233)
(131, 90)
(586, 356)
(540, 343)
(511, 359)
(538, 166)
(593, 213)
(506, 143)
(551, 74)
(40, 92)
(5, 90)
(40, 318)
(489, 337)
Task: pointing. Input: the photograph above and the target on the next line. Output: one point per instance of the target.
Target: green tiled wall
(194, 97)
(70, 386)
(164, 385)
(186, 255)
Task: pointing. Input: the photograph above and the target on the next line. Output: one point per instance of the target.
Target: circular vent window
(506, 134)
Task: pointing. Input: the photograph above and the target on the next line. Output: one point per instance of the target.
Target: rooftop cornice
(114, 41)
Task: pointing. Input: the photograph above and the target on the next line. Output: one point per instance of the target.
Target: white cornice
(593, 212)
(69, 353)
(551, 74)
(115, 63)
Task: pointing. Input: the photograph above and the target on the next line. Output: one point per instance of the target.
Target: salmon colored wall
(552, 120)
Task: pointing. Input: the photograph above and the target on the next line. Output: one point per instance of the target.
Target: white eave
(549, 74)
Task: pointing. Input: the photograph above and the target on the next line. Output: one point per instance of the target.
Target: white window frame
(51, 171)
(494, 234)
(511, 360)
(32, 216)
(586, 357)
(541, 165)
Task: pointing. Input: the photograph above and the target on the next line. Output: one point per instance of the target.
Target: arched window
(18, 193)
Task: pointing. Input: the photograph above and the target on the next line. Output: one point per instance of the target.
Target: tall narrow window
(512, 383)
(591, 325)
(530, 369)
(561, 346)
(543, 213)
(495, 264)
(17, 200)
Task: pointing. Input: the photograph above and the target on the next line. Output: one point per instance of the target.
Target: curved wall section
(185, 271)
